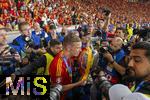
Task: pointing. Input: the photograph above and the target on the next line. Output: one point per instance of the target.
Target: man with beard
(139, 67)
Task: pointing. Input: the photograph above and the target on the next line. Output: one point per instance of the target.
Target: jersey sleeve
(55, 71)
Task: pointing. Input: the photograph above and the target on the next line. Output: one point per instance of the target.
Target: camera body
(29, 42)
(55, 92)
(103, 50)
(106, 11)
(143, 33)
(103, 85)
(7, 64)
(102, 60)
(6, 60)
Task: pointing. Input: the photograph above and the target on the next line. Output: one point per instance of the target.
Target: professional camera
(106, 11)
(7, 59)
(55, 92)
(43, 42)
(7, 64)
(105, 50)
(102, 84)
(102, 60)
(29, 42)
(143, 33)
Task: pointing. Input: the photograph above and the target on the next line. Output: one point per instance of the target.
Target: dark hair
(144, 46)
(120, 28)
(54, 42)
(70, 39)
(22, 24)
(123, 30)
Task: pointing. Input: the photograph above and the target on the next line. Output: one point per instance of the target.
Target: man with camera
(43, 62)
(8, 55)
(41, 37)
(102, 28)
(111, 61)
(25, 44)
(9, 59)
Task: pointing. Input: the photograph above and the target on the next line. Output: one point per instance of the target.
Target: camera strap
(67, 66)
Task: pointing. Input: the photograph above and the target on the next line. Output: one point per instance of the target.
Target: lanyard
(139, 86)
(68, 67)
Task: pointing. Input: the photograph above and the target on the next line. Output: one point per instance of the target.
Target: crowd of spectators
(102, 46)
(63, 12)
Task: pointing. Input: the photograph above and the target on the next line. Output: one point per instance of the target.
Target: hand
(25, 61)
(17, 57)
(29, 50)
(108, 56)
(41, 50)
(82, 82)
(4, 51)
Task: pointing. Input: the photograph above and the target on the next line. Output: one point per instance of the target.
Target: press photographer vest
(44, 70)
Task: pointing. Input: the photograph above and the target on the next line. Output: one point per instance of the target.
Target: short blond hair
(70, 39)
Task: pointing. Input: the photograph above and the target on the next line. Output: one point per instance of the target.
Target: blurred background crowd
(64, 12)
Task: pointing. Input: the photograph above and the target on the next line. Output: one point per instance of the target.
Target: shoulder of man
(17, 40)
(56, 62)
(120, 55)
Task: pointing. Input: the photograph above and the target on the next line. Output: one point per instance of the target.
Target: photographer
(8, 56)
(112, 63)
(102, 28)
(25, 44)
(40, 36)
(42, 63)
(9, 59)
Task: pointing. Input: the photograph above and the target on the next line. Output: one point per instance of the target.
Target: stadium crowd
(109, 45)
